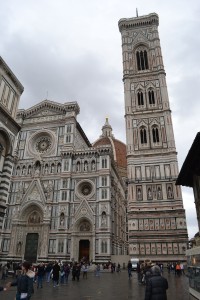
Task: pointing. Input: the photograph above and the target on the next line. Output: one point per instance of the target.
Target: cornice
(147, 20)
(11, 74)
(58, 107)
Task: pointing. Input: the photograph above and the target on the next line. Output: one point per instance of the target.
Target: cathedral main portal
(84, 250)
(31, 247)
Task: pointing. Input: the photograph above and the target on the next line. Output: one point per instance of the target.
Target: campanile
(156, 217)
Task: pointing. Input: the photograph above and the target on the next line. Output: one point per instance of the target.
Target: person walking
(48, 272)
(156, 286)
(40, 275)
(24, 282)
(129, 267)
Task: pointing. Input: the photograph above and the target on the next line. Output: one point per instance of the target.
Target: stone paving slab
(107, 287)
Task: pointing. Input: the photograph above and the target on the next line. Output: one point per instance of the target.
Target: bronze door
(31, 247)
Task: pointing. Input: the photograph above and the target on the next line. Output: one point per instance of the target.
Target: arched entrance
(84, 250)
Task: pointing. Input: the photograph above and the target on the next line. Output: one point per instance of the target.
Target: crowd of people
(25, 275)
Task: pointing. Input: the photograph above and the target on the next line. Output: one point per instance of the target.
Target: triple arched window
(142, 60)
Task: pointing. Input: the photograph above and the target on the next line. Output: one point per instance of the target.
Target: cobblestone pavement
(107, 287)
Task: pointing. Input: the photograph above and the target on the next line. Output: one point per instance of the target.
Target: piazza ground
(107, 287)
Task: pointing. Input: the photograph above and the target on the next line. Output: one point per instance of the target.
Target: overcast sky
(67, 50)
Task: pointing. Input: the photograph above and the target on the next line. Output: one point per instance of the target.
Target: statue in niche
(19, 248)
(159, 193)
(103, 219)
(78, 166)
(93, 165)
(49, 190)
(37, 170)
(62, 219)
(85, 226)
(52, 168)
(20, 192)
(85, 166)
(139, 194)
(24, 171)
(169, 192)
(46, 169)
(149, 194)
(59, 168)
(29, 170)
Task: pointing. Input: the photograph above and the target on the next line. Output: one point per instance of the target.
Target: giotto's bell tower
(156, 217)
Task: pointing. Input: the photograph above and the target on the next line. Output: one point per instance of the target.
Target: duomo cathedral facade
(62, 197)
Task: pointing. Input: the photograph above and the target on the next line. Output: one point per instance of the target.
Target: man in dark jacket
(156, 286)
(24, 283)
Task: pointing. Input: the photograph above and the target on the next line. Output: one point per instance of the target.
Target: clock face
(43, 144)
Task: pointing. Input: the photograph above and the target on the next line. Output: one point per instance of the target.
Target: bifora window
(140, 98)
(142, 60)
(155, 135)
(143, 135)
(151, 97)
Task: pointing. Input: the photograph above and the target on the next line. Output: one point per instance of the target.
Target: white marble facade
(65, 195)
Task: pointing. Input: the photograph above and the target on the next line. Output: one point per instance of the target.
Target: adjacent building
(10, 92)
(190, 176)
(156, 217)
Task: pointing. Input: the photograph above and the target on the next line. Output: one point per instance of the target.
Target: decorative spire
(107, 129)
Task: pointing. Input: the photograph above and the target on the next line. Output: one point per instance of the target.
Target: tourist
(85, 270)
(62, 275)
(178, 269)
(67, 272)
(97, 271)
(129, 267)
(48, 270)
(40, 275)
(55, 274)
(24, 283)
(156, 285)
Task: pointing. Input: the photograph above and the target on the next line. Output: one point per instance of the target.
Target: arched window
(104, 163)
(155, 135)
(143, 136)
(142, 60)
(151, 97)
(140, 98)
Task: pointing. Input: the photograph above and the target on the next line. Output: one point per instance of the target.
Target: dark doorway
(84, 249)
(31, 247)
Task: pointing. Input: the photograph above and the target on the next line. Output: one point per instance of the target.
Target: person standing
(156, 286)
(56, 273)
(24, 282)
(84, 269)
